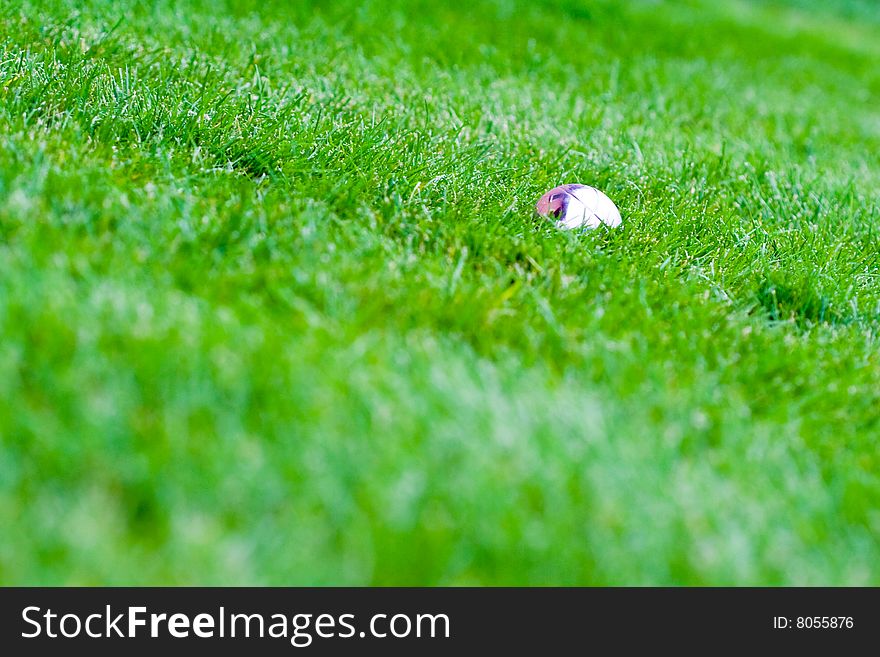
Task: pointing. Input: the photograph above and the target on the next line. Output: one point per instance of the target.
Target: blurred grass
(274, 309)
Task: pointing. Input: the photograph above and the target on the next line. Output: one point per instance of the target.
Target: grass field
(274, 308)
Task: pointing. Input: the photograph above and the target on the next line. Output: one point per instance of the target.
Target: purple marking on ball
(555, 202)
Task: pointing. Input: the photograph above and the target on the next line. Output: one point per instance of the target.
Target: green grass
(274, 308)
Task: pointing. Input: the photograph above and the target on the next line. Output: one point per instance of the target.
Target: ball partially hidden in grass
(578, 206)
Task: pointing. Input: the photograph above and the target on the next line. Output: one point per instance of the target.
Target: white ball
(578, 206)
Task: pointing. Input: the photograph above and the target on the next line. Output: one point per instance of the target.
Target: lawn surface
(274, 308)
